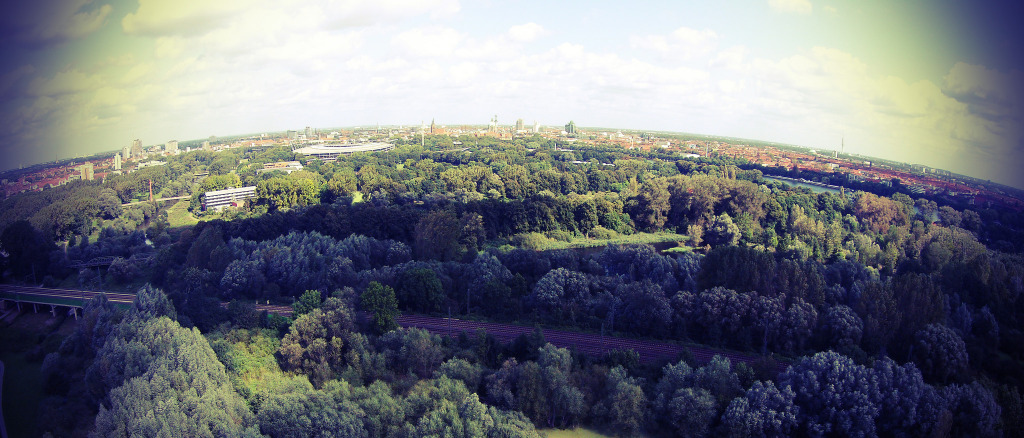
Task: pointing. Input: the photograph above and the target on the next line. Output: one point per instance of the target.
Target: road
(64, 297)
(587, 343)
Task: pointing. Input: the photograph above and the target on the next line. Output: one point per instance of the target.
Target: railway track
(586, 343)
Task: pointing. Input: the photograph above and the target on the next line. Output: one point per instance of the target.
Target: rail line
(586, 343)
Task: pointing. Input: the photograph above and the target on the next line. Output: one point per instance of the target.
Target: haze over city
(933, 83)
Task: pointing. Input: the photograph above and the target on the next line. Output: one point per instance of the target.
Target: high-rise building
(519, 125)
(309, 133)
(86, 171)
(494, 124)
(570, 128)
(117, 161)
(126, 152)
(136, 149)
(206, 145)
(536, 127)
(171, 147)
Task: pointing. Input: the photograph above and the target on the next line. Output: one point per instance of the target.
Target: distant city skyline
(926, 82)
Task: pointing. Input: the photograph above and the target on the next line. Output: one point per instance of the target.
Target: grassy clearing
(357, 197)
(179, 216)
(638, 238)
(579, 432)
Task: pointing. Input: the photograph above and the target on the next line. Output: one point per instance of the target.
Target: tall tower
(433, 127)
(117, 161)
(136, 148)
(86, 171)
(519, 125)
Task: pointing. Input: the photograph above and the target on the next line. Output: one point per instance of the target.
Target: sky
(933, 82)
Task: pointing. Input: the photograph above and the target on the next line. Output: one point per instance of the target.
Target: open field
(179, 216)
(579, 432)
(632, 239)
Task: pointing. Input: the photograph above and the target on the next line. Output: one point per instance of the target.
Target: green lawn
(179, 216)
(583, 242)
(578, 432)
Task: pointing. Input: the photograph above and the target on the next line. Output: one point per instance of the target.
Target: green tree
(151, 302)
(380, 302)
(318, 341)
(420, 289)
(437, 236)
(109, 204)
(173, 385)
(306, 303)
(27, 249)
(722, 231)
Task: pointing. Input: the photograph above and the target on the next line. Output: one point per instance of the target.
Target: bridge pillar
(74, 311)
(35, 308)
(53, 310)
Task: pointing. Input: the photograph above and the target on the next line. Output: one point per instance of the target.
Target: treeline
(739, 297)
(140, 372)
(874, 280)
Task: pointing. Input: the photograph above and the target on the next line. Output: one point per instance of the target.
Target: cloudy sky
(924, 81)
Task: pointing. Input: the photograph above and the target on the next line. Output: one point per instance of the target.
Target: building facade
(136, 149)
(218, 199)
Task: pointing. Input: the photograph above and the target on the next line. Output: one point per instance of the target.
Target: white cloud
(367, 12)
(9, 79)
(46, 21)
(682, 44)
(429, 42)
(525, 33)
(180, 17)
(70, 81)
(792, 6)
(978, 84)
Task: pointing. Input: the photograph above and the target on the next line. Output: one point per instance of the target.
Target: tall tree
(380, 302)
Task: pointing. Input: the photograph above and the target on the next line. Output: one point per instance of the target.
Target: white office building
(233, 197)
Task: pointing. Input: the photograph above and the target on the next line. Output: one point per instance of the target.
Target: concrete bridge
(70, 299)
(74, 300)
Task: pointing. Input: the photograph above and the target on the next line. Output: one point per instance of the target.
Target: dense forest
(890, 316)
